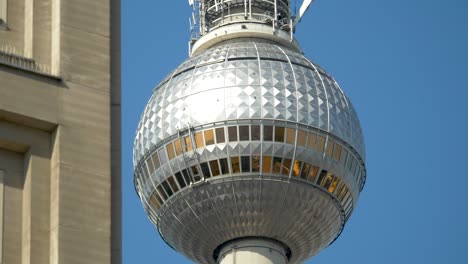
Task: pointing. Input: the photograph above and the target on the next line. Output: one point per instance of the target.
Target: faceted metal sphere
(249, 139)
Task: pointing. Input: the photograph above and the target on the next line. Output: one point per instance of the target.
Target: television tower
(248, 152)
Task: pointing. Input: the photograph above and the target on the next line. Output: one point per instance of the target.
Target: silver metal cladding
(249, 139)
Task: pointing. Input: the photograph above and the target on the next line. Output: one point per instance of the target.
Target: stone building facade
(60, 150)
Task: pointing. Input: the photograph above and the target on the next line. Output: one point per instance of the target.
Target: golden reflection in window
(209, 137)
(173, 184)
(340, 189)
(161, 192)
(290, 135)
(342, 193)
(232, 132)
(180, 180)
(255, 132)
(266, 164)
(255, 163)
(279, 134)
(311, 140)
(301, 138)
(305, 170)
(170, 151)
(220, 138)
(245, 164)
(204, 170)
(313, 173)
(178, 147)
(267, 133)
(320, 144)
(286, 167)
(155, 202)
(235, 164)
(330, 145)
(337, 152)
(155, 159)
(321, 177)
(167, 188)
(244, 133)
(333, 185)
(188, 143)
(224, 166)
(199, 139)
(296, 170)
(149, 165)
(214, 167)
(327, 181)
(277, 164)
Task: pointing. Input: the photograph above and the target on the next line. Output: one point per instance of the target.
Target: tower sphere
(248, 139)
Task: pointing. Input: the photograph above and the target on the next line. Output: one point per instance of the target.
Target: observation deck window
(313, 173)
(311, 140)
(170, 151)
(161, 192)
(267, 133)
(209, 137)
(301, 138)
(296, 170)
(224, 166)
(277, 164)
(245, 163)
(344, 155)
(255, 132)
(188, 143)
(155, 202)
(199, 140)
(320, 144)
(178, 147)
(279, 134)
(305, 170)
(255, 163)
(205, 169)
(290, 136)
(232, 131)
(214, 168)
(149, 165)
(286, 167)
(235, 164)
(180, 180)
(330, 145)
(337, 152)
(186, 176)
(220, 137)
(244, 133)
(167, 188)
(173, 184)
(332, 187)
(266, 164)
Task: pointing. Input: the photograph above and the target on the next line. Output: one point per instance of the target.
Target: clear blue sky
(404, 64)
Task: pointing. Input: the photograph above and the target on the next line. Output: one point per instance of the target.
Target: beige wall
(62, 130)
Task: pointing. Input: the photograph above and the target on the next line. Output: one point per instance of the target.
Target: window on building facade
(2, 176)
(3, 12)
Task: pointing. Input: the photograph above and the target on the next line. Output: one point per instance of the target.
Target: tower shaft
(253, 250)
